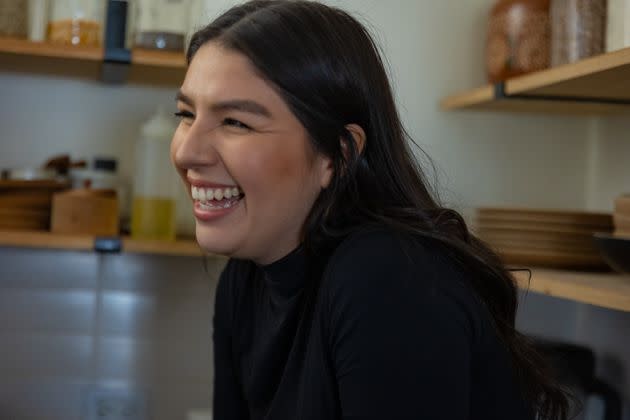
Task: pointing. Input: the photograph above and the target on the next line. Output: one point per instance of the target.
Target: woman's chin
(213, 242)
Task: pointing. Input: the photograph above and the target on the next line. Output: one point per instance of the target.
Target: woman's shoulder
(380, 267)
(372, 250)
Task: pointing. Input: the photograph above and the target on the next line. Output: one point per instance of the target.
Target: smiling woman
(350, 292)
(237, 132)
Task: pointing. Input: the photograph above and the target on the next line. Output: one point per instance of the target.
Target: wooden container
(518, 40)
(85, 211)
(25, 204)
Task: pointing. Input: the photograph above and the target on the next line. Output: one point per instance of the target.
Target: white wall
(610, 162)
(434, 48)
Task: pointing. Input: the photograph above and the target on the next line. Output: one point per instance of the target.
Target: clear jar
(618, 25)
(153, 210)
(38, 11)
(518, 38)
(578, 30)
(13, 18)
(76, 22)
(161, 24)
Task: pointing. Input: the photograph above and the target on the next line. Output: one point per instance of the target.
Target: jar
(103, 175)
(161, 24)
(618, 25)
(37, 19)
(76, 22)
(518, 39)
(13, 18)
(153, 210)
(578, 29)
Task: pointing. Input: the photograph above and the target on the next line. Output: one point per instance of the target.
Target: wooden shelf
(597, 85)
(23, 239)
(147, 66)
(607, 290)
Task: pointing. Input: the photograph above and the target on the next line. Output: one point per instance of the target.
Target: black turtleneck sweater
(392, 330)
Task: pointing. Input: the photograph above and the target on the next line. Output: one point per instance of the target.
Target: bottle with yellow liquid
(153, 209)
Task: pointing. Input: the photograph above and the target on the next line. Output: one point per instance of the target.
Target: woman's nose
(192, 148)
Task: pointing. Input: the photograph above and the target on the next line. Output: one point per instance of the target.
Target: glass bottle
(154, 195)
(161, 24)
(76, 22)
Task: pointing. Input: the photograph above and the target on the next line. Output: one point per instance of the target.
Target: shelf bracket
(109, 245)
(117, 58)
(500, 94)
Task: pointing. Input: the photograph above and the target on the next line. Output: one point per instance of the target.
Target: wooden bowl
(615, 250)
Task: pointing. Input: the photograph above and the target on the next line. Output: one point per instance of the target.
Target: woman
(350, 293)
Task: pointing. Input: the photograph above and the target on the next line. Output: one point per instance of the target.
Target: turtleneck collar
(287, 275)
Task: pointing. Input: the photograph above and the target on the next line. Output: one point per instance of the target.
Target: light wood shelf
(608, 290)
(23, 239)
(596, 85)
(147, 66)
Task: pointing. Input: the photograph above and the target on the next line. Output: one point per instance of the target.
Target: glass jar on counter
(13, 18)
(578, 29)
(76, 22)
(518, 40)
(161, 24)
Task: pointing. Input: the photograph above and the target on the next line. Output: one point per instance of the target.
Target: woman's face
(238, 139)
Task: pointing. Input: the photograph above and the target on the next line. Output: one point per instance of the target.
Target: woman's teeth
(218, 194)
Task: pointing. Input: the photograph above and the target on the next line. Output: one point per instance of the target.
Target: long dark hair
(329, 71)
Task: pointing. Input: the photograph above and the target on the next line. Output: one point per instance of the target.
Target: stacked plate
(551, 238)
(25, 204)
(621, 216)
(615, 248)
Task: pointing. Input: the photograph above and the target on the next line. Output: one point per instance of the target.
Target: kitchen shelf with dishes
(567, 253)
(47, 213)
(596, 85)
(146, 66)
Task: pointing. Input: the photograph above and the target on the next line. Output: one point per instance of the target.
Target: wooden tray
(17, 213)
(509, 243)
(23, 224)
(537, 235)
(33, 184)
(573, 218)
(622, 205)
(527, 226)
(553, 259)
(622, 221)
(26, 199)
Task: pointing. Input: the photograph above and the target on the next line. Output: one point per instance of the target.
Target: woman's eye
(235, 123)
(184, 115)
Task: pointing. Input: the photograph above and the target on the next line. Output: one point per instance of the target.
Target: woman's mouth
(212, 203)
(214, 194)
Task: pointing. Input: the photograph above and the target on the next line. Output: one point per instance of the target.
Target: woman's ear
(326, 165)
(358, 135)
(326, 172)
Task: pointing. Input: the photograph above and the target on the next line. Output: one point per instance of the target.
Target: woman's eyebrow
(181, 96)
(244, 105)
